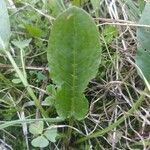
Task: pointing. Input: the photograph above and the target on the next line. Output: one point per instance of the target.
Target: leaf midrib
(74, 64)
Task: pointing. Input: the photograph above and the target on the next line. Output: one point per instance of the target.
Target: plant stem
(68, 134)
(25, 83)
(71, 121)
(118, 122)
(15, 122)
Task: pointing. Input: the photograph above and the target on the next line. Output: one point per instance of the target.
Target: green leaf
(95, 4)
(141, 4)
(4, 26)
(41, 76)
(22, 44)
(51, 134)
(49, 101)
(34, 31)
(143, 37)
(109, 33)
(56, 7)
(36, 128)
(51, 89)
(74, 57)
(78, 2)
(40, 141)
(133, 9)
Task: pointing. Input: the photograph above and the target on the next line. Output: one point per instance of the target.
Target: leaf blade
(40, 141)
(4, 26)
(74, 57)
(51, 134)
(36, 128)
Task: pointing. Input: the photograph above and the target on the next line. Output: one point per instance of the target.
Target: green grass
(118, 116)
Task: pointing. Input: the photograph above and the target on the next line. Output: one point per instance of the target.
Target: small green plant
(42, 137)
(5, 34)
(74, 57)
(51, 90)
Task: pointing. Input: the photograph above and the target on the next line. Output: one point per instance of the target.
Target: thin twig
(108, 21)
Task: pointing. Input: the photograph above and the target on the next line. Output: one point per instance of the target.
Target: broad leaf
(74, 57)
(143, 37)
(4, 26)
(51, 134)
(36, 128)
(50, 100)
(40, 141)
